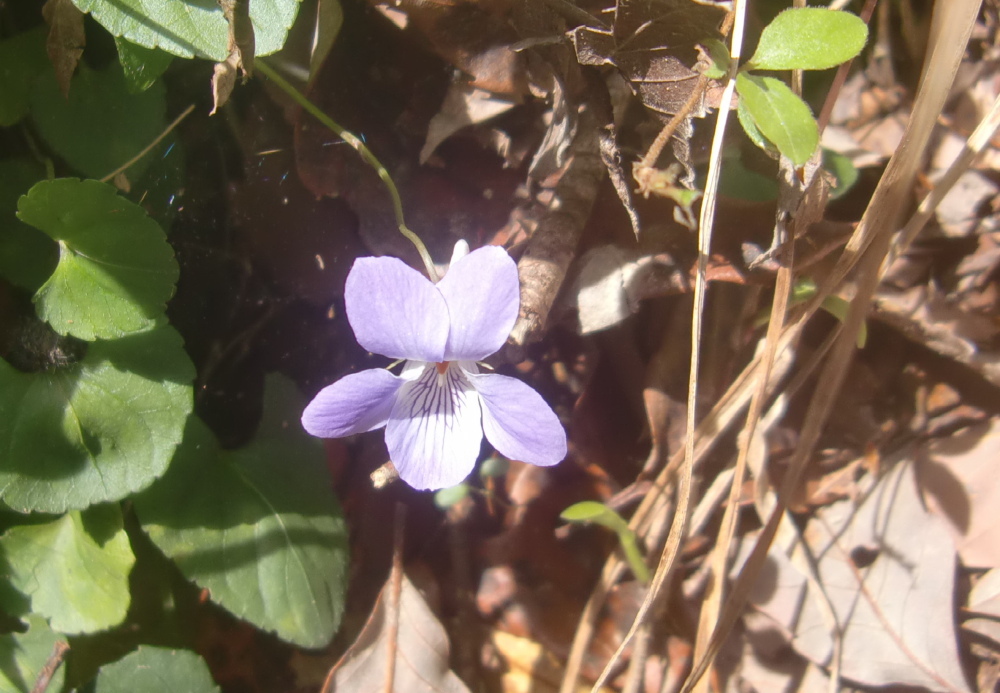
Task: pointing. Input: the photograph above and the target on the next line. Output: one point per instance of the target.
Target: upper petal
(435, 431)
(483, 296)
(395, 311)
(354, 404)
(518, 422)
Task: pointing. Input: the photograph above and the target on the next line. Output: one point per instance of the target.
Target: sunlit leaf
(258, 527)
(157, 670)
(101, 126)
(781, 116)
(116, 269)
(189, 28)
(25, 654)
(809, 38)
(74, 569)
(96, 431)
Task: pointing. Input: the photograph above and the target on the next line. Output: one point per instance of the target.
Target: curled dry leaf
(66, 39)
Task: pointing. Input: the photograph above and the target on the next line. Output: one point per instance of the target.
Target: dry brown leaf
(887, 566)
(613, 281)
(66, 39)
(958, 477)
(421, 651)
(241, 51)
(463, 105)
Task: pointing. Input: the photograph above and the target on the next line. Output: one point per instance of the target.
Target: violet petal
(518, 422)
(483, 296)
(396, 311)
(434, 432)
(354, 404)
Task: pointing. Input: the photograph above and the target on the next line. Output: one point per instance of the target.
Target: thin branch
(151, 145)
(362, 150)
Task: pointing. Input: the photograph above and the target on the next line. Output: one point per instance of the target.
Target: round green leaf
(116, 269)
(781, 116)
(22, 58)
(258, 527)
(101, 125)
(189, 28)
(24, 655)
(74, 569)
(809, 38)
(157, 670)
(97, 431)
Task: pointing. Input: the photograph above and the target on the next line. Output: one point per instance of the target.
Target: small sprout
(448, 497)
(600, 514)
(494, 466)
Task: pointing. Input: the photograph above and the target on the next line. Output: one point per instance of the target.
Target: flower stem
(365, 153)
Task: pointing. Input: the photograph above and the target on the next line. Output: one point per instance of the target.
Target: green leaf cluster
(103, 459)
(807, 38)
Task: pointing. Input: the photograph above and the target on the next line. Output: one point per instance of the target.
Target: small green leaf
(188, 29)
(116, 269)
(809, 38)
(22, 59)
(781, 116)
(258, 527)
(24, 655)
(751, 130)
(27, 256)
(447, 497)
(598, 513)
(494, 466)
(101, 126)
(719, 53)
(843, 170)
(157, 670)
(142, 66)
(838, 307)
(74, 569)
(97, 431)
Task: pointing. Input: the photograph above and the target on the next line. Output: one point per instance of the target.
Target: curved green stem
(363, 151)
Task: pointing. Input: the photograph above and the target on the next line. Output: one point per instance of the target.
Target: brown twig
(841, 77)
(552, 247)
(392, 605)
(59, 651)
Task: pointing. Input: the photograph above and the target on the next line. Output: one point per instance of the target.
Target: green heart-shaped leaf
(258, 527)
(74, 569)
(116, 269)
(96, 431)
(102, 125)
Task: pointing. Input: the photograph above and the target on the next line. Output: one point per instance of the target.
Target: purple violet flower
(437, 410)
